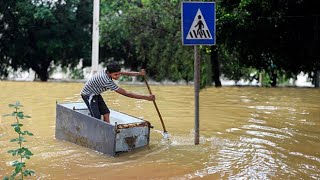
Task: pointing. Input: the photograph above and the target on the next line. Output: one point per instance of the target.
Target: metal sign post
(196, 94)
(198, 28)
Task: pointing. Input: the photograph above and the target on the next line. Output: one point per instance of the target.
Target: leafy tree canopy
(37, 33)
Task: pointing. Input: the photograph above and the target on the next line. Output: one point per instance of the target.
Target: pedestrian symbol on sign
(199, 28)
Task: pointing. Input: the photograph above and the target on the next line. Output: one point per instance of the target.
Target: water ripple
(246, 133)
(306, 156)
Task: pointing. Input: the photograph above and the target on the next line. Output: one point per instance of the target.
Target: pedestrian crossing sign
(198, 23)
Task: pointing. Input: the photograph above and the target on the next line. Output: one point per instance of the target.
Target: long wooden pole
(155, 105)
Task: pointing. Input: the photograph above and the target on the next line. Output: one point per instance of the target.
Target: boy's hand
(142, 72)
(151, 97)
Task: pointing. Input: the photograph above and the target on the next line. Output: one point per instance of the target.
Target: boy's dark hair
(113, 66)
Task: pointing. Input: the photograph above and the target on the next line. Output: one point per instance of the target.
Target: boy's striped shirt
(98, 83)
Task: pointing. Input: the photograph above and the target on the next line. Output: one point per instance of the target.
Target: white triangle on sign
(199, 28)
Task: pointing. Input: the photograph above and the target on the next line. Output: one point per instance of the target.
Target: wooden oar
(165, 133)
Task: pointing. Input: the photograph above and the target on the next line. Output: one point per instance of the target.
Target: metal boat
(124, 132)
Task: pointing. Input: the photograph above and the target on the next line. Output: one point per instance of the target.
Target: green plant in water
(22, 152)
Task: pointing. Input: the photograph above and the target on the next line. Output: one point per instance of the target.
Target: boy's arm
(136, 96)
(141, 73)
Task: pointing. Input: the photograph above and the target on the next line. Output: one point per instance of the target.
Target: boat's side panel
(131, 138)
(85, 130)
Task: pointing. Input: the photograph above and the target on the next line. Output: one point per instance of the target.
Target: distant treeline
(275, 38)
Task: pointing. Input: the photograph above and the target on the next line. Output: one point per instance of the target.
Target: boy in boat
(103, 81)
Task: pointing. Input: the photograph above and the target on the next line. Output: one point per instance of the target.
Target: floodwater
(245, 133)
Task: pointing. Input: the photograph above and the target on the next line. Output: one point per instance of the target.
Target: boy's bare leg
(106, 117)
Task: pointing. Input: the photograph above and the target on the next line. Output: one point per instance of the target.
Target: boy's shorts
(96, 105)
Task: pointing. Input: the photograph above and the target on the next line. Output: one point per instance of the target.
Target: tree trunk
(274, 77)
(317, 79)
(42, 70)
(215, 66)
(43, 75)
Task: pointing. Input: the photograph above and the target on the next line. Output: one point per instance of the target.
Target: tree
(301, 41)
(38, 34)
(146, 34)
(275, 36)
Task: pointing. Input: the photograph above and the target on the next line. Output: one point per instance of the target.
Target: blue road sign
(198, 23)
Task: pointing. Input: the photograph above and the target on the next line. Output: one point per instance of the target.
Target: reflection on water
(246, 133)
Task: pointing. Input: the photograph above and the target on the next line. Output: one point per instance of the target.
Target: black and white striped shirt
(98, 83)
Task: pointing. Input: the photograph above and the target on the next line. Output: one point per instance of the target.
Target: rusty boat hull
(124, 132)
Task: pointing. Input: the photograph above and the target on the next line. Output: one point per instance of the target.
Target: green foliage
(266, 79)
(251, 36)
(146, 34)
(39, 34)
(76, 73)
(21, 152)
(205, 69)
(262, 34)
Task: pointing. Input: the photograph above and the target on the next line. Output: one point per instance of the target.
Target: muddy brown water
(245, 133)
